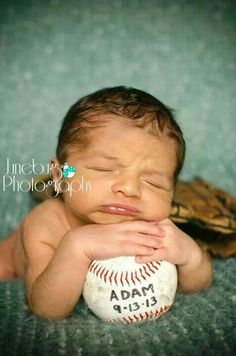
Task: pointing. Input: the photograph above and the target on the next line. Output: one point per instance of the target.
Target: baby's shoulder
(47, 209)
(48, 217)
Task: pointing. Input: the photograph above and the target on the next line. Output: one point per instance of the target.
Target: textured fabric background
(53, 52)
(184, 53)
(197, 324)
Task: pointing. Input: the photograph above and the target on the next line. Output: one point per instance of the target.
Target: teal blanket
(202, 323)
(183, 52)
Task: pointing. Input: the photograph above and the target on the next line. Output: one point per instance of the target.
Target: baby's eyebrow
(104, 155)
(155, 172)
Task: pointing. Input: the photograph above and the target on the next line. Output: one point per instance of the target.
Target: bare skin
(56, 242)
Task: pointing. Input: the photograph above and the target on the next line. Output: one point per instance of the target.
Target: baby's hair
(136, 106)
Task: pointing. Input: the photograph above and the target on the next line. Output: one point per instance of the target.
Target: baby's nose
(128, 185)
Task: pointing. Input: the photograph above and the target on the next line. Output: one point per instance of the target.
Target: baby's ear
(56, 169)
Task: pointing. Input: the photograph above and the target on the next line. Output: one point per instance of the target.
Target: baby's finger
(145, 227)
(157, 232)
(159, 254)
(147, 240)
(133, 249)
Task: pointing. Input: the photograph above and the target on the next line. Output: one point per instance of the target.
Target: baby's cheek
(159, 211)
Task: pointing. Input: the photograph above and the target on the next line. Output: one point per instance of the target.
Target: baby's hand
(127, 238)
(174, 246)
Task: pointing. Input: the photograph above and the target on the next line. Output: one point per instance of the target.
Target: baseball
(121, 290)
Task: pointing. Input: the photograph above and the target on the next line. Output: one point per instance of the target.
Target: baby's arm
(194, 265)
(196, 273)
(55, 277)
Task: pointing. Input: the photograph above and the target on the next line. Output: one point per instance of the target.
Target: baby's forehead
(116, 135)
(101, 125)
(129, 147)
(120, 131)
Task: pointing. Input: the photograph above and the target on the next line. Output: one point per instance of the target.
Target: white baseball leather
(121, 290)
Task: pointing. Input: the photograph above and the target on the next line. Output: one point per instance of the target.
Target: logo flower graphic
(68, 171)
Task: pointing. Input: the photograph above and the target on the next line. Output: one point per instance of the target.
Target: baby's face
(130, 172)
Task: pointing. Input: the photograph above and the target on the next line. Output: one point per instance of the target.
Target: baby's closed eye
(101, 169)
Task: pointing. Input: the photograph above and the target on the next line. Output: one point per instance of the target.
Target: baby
(126, 144)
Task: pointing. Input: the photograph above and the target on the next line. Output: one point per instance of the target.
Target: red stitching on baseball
(148, 265)
(144, 267)
(105, 275)
(115, 278)
(132, 278)
(147, 315)
(96, 266)
(110, 277)
(126, 277)
(141, 316)
(136, 276)
(102, 271)
(98, 270)
(120, 277)
(141, 272)
(92, 266)
(131, 320)
(154, 266)
(121, 280)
